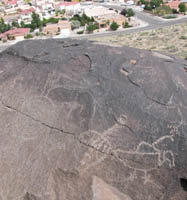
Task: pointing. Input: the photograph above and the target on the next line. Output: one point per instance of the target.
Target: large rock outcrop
(81, 121)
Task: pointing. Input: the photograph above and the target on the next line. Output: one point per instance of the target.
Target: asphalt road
(153, 23)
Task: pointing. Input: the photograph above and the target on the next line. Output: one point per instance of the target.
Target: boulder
(83, 121)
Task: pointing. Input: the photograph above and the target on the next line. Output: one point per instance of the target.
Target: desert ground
(172, 40)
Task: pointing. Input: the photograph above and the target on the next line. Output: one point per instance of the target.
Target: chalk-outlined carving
(158, 148)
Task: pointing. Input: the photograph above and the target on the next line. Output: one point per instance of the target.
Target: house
(103, 16)
(24, 6)
(63, 27)
(26, 15)
(98, 11)
(105, 20)
(70, 7)
(13, 3)
(174, 4)
(17, 33)
(8, 19)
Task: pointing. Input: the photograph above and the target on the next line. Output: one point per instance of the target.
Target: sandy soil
(172, 40)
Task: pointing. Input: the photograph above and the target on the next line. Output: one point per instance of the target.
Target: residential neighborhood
(49, 18)
(25, 19)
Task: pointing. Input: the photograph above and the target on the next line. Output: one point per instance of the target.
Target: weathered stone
(80, 122)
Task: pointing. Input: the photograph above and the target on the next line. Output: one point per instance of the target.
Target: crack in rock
(137, 85)
(54, 128)
(27, 59)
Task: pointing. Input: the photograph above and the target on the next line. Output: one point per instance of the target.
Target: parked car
(130, 3)
(123, 4)
(142, 6)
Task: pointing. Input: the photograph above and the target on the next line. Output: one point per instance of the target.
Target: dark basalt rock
(82, 121)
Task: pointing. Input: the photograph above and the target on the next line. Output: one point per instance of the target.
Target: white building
(98, 11)
(69, 7)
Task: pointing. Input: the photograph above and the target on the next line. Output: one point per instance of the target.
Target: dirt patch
(167, 40)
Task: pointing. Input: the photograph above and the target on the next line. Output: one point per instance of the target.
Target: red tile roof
(12, 2)
(65, 3)
(174, 4)
(27, 11)
(16, 32)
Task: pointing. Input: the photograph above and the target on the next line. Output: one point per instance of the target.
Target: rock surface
(81, 121)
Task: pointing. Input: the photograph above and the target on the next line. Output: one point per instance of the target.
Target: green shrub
(75, 24)
(174, 11)
(126, 25)
(170, 17)
(130, 12)
(114, 26)
(28, 36)
(53, 20)
(80, 32)
(163, 10)
(63, 18)
(91, 28)
(39, 34)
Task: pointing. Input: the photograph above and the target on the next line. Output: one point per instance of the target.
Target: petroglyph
(69, 132)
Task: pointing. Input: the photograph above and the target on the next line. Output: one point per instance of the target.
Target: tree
(144, 2)
(155, 3)
(182, 7)
(130, 12)
(124, 12)
(22, 24)
(36, 22)
(15, 24)
(114, 26)
(4, 27)
(174, 11)
(82, 19)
